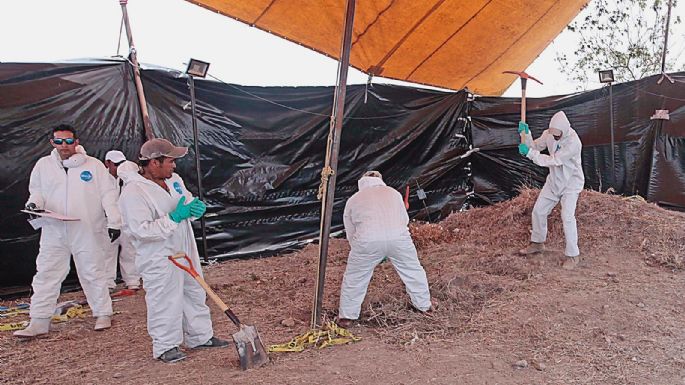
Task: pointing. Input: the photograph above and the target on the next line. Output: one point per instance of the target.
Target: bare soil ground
(616, 319)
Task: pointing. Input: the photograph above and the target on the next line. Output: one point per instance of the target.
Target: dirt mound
(470, 257)
(614, 320)
(603, 221)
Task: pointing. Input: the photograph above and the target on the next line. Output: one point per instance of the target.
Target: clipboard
(51, 214)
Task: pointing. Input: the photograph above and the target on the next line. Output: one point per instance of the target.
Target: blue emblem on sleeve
(177, 187)
(86, 176)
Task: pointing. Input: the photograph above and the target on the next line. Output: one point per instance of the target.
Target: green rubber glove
(197, 208)
(181, 212)
(523, 149)
(523, 127)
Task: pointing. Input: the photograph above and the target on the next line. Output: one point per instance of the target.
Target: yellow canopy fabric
(444, 43)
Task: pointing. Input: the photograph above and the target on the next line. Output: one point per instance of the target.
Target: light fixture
(606, 76)
(197, 68)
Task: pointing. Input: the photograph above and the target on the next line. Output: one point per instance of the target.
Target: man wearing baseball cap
(118, 167)
(157, 208)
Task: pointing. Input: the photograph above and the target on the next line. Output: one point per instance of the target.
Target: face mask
(557, 137)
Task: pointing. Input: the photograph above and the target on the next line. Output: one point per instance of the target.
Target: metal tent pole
(328, 174)
(136, 73)
(611, 125)
(191, 84)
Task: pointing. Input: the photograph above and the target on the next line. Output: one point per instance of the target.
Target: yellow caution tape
(14, 326)
(330, 334)
(74, 311)
(13, 313)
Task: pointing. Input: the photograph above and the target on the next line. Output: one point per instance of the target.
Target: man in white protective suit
(157, 209)
(72, 183)
(116, 163)
(376, 222)
(564, 183)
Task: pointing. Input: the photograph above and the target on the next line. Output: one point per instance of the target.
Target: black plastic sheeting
(649, 154)
(97, 97)
(262, 148)
(262, 151)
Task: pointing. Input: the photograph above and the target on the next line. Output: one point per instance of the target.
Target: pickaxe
(524, 79)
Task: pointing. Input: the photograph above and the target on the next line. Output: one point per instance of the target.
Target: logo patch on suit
(86, 176)
(177, 187)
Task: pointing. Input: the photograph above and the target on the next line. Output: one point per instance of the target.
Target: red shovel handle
(189, 269)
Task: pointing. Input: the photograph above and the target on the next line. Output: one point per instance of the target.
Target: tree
(624, 35)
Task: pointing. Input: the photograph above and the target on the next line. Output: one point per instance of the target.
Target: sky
(168, 32)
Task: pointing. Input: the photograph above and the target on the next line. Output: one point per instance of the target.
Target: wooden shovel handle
(191, 270)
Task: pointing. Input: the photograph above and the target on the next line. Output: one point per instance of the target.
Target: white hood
(369, 181)
(560, 122)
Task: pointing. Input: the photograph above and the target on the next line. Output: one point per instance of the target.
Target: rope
(299, 110)
(326, 173)
(121, 29)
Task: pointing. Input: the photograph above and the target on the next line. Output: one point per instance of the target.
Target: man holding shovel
(564, 182)
(157, 208)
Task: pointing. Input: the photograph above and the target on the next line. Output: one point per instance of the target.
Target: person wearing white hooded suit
(564, 182)
(116, 163)
(157, 210)
(376, 221)
(71, 183)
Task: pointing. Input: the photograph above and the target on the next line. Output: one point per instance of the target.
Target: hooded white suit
(376, 225)
(175, 301)
(564, 182)
(129, 273)
(79, 187)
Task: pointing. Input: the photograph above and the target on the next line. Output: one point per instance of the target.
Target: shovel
(250, 349)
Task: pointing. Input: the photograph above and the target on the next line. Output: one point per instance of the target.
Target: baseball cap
(154, 148)
(115, 156)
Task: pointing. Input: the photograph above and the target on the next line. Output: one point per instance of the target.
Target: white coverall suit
(376, 225)
(129, 273)
(84, 191)
(564, 182)
(175, 301)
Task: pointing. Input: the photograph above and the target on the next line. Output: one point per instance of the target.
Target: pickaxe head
(522, 75)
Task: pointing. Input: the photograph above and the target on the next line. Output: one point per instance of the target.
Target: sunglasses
(59, 141)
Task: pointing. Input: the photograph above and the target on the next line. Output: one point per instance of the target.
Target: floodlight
(197, 68)
(606, 76)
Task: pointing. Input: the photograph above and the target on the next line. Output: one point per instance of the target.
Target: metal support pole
(191, 85)
(611, 125)
(331, 164)
(663, 53)
(136, 73)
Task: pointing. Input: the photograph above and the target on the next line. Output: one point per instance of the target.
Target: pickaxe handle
(523, 99)
(524, 80)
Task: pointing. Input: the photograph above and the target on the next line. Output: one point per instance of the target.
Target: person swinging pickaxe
(524, 79)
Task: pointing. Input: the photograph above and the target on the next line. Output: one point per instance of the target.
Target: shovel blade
(251, 351)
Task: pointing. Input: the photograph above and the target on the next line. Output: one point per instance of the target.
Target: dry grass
(471, 260)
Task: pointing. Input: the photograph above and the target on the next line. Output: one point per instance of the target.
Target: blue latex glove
(523, 127)
(523, 149)
(181, 212)
(197, 208)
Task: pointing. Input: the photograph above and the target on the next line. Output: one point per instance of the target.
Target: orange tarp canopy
(444, 43)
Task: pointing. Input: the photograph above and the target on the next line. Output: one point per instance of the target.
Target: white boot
(36, 327)
(102, 323)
